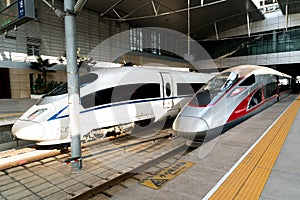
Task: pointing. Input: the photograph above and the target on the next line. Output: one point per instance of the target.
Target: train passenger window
(121, 93)
(256, 98)
(103, 96)
(87, 78)
(248, 81)
(284, 84)
(188, 88)
(197, 86)
(135, 91)
(270, 88)
(97, 98)
(62, 89)
(146, 91)
(168, 89)
(84, 80)
(88, 101)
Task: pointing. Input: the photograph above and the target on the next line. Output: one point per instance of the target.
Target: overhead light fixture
(57, 12)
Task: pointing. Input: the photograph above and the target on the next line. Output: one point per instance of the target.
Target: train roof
(244, 70)
(111, 77)
(137, 69)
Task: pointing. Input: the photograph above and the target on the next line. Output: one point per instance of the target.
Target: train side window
(135, 91)
(248, 81)
(256, 98)
(103, 96)
(121, 93)
(168, 89)
(97, 98)
(197, 86)
(188, 88)
(271, 87)
(61, 89)
(88, 101)
(284, 84)
(146, 91)
(87, 78)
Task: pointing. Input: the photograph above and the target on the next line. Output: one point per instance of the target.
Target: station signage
(21, 8)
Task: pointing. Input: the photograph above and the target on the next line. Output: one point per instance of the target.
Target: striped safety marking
(161, 178)
(248, 179)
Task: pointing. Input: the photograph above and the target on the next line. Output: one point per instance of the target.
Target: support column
(73, 89)
(216, 30)
(286, 16)
(248, 24)
(274, 42)
(189, 29)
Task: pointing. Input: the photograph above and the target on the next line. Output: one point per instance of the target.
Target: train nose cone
(191, 128)
(27, 130)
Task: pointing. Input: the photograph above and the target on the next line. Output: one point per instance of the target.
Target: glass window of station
(262, 43)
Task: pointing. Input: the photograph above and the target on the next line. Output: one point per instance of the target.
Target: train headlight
(36, 113)
(237, 91)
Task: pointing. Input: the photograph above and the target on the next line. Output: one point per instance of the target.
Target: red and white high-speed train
(110, 97)
(229, 98)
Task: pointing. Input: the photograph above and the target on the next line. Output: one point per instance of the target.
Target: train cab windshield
(221, 82)
(214, 88)
(63, 89)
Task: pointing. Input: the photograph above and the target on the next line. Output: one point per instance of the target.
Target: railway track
(31, 153)
(136, 175)
(106, 163)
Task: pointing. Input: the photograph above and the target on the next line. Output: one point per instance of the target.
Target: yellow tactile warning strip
(167, 174)
(250, 176)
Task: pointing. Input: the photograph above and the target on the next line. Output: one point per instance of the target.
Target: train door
(167, 90)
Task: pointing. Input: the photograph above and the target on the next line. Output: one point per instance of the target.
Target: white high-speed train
(110, 97)
(229, 98)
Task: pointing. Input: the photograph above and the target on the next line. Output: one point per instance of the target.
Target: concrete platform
(214, 159)
(48, 179)
(284, 180)
(12, 109)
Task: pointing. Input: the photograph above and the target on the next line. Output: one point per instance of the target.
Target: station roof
(206, 16)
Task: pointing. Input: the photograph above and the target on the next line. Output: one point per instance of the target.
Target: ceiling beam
(117, 13)
(166, 13)
(137, 9)
(111, 8)
(154, 8)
